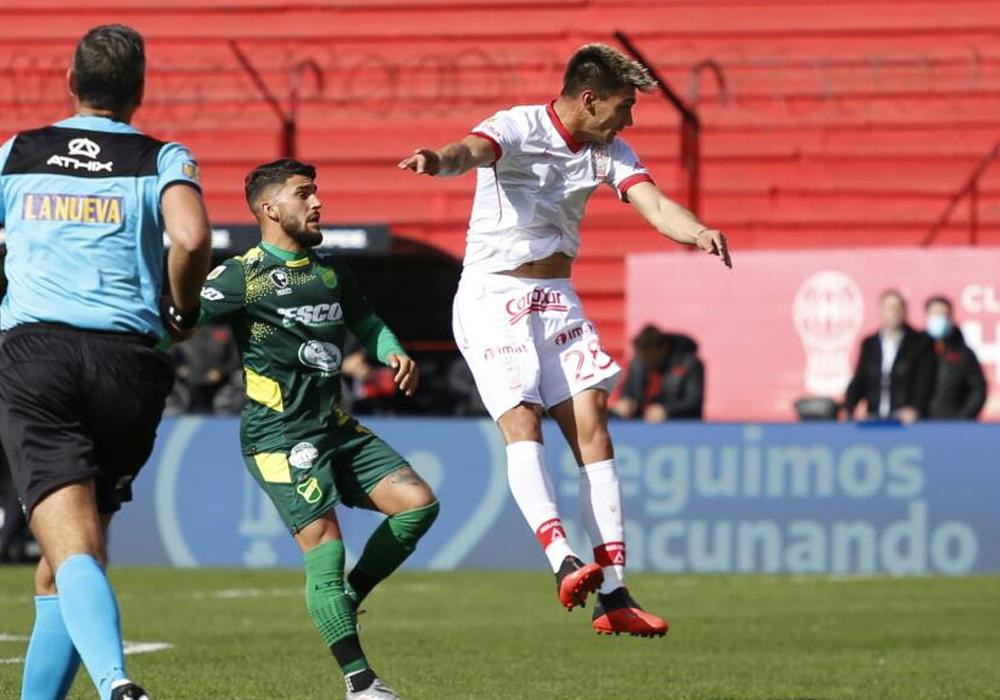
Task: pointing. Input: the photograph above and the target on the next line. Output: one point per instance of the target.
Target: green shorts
(342, 465)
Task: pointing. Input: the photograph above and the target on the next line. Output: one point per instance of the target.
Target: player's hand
(907, 415)
(624, 407)
(654, 413)
(714, 243)
(407, 373)
(424, 161)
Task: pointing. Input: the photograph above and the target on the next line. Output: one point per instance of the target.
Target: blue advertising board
(795, 498)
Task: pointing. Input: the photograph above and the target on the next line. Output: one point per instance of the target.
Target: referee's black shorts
(78, 405)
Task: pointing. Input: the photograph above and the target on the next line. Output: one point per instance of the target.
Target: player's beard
(299, 231)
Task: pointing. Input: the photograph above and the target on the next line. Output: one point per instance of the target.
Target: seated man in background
(959, 388)
(895, 369)
(369, 386)
(205, 364)
(665, 379)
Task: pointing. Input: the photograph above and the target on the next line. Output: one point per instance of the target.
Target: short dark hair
(649, 338)
(109, 67)
(892, 293)
(604, 70)
(274, 173)
(939, 299)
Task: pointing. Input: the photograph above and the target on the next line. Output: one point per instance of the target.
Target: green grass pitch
(245, 635)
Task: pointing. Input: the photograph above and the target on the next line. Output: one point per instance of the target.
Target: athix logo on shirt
(84, 148)
(69, 207)
(311, 315)
(535, 301)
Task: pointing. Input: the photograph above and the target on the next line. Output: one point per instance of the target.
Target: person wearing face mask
(895, 369)
(959, 388)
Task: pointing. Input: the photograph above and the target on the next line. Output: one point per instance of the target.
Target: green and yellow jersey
(289, 314)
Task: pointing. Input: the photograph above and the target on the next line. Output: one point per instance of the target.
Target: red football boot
(576, 580)
(616, 612)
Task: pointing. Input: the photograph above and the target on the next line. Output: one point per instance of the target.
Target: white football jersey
(530, 200)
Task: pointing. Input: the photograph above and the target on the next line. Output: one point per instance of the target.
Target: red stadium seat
(835, 128)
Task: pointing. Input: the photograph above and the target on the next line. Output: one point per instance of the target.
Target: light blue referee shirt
(80, 201)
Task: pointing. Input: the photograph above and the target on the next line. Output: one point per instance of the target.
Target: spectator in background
(959, 388)
(463, 394)
(895, 369)
(665, 380)
(369, 388)
(205, 364)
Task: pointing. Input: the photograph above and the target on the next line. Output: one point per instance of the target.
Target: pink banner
(784, 324)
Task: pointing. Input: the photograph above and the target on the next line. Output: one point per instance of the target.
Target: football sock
(90, 612)
(388, 547)
(51, 662)
(532, 490)
(601, 507)
(332, 611)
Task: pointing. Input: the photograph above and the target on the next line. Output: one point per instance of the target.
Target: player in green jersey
(289, 309)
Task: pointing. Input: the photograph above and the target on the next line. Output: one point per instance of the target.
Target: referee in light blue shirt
(85, 202)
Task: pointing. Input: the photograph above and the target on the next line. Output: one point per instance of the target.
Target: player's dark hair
(604, 70)
(939, 299)
(649, 338)
(274, 173)
(892, 293)
(109, 68)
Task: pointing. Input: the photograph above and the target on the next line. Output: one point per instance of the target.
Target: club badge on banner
(786, 324)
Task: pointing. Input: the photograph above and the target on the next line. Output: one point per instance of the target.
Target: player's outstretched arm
(186, 223)
(676, 222)
(454, 159)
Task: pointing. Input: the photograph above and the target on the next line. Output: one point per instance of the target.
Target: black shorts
(78, 405)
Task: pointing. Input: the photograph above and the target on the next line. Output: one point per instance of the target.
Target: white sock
(601, 506)
(535, 496)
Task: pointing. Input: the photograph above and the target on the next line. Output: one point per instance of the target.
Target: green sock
(388, 547)
(331, 610)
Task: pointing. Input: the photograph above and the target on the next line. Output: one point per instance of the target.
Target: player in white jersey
(518, 321)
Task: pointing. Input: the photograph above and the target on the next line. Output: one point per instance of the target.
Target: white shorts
(527, 340)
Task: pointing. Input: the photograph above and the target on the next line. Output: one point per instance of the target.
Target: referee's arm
(186, 223)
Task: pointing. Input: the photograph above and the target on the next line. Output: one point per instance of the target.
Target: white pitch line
(146, 647)
(131, 648)
(237, 593)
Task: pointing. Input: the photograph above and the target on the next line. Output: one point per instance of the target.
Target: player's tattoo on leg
(405, 475)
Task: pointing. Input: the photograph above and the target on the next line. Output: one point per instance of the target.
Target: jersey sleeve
(625, 169)
(224, 292)
(372, 332)
(4, 153)
(502, 131)
(175, 164)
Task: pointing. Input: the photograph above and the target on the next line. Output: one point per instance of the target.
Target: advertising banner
(795, 498)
